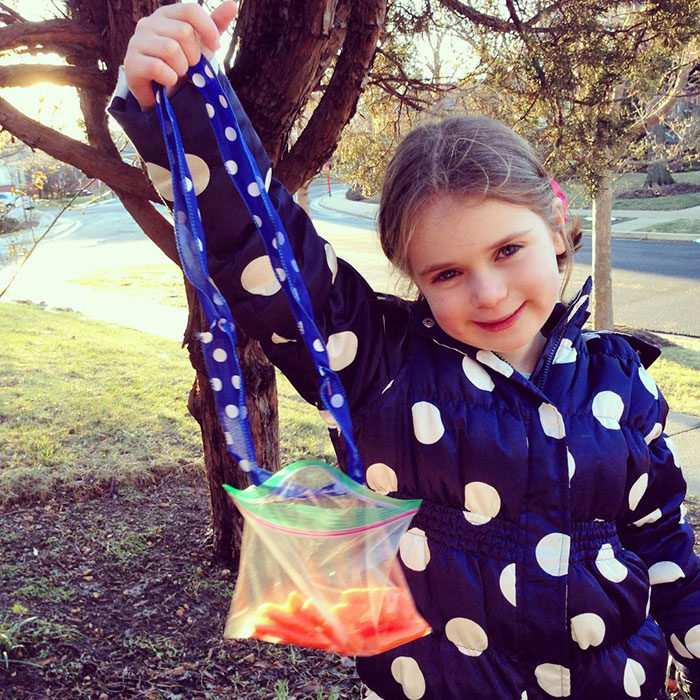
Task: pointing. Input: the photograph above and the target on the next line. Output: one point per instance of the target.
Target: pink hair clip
(559, 193)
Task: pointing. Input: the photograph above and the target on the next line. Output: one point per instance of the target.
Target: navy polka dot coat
(550, 556)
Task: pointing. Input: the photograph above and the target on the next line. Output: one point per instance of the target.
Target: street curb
(350, 209)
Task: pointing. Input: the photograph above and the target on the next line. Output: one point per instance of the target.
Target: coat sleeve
(655, 527)
(357, 324)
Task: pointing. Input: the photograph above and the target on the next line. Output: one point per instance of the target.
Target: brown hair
(468, 157)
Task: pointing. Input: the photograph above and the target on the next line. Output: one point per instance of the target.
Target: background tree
(283, 51)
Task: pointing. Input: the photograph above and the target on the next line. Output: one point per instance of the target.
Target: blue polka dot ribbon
(219, 342)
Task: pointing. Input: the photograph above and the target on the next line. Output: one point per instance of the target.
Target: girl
(550, 556)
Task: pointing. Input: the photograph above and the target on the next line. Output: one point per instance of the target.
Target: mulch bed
(664, 191)
(130, 605)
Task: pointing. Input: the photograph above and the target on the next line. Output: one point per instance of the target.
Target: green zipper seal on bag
(268, 502)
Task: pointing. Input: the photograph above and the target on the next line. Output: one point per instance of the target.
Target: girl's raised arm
(362, 330)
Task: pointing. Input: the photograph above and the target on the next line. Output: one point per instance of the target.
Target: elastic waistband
(498, 538)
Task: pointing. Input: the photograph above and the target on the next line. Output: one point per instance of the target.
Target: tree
(284, 50)
(589, 79)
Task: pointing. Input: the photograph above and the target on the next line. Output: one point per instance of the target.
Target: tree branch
(320, 137)
(32, 73)
(94, 163)
(479, 18)
(10, 16)
(53, 35)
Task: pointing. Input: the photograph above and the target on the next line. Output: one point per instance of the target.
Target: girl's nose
(488, 291)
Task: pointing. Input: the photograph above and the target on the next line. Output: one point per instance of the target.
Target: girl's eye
(444, 275)
(509, 250)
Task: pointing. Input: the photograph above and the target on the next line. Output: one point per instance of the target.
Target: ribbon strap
(218, 344)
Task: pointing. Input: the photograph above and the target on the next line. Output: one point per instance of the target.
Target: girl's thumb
(224, 14)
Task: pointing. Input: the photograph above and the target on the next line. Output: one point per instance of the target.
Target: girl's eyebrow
(504, 241)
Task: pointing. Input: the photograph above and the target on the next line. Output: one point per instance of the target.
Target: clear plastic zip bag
(319, 566)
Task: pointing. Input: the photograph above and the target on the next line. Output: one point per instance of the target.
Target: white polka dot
(648, 381)
(220, 355)
(231, 167)
(200, 245)
(634, 678)
(230, 133)
(245, 465)
(469, 637)
(692, 641)
(577, 306)
(665, 572)
(279, 237)
(229, 438)
(158, 97)
(187, 184)
(337, 401)
(554, 679)
(207, 70)
(414, 550)
(332, 261)
(236, 381)
(223, 102)
(161, 179)
(342, 349)
(216, 384)
(481, 501)
(552, 553)
(638, 490)
(198, 80)
(476, 374)
(268, 179)
(318, 345)
(258, 277)
(672, 449)
(206, 337)
(280, 274)
(608, 408)
(651, 518)
(565, 353)
(507, 583)
(218, 299)
(551, 420)
(427, 422)
(609, 567)
(382, 478)
(571, 464)
(210, 111)
(407, 673)
(300, 327)
(587, 629)
(683, 511)
(278, 339)
(254, 189)
(231, 411)
(653, 433)
(678, 646)
(486, 357)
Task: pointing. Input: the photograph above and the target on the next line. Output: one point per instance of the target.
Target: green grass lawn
(630, 181)
(82, 402)
(677, 372)
(677, 226)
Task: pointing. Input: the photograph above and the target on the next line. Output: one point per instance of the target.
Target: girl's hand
(170, 40)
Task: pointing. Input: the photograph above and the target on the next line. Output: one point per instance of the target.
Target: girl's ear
(558, 226)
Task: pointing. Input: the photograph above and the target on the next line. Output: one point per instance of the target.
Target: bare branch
(26, 75)
(94, 163)
(478, 18)
(10, 16)
(57, 35)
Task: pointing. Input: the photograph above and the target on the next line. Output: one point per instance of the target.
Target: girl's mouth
(502, 323)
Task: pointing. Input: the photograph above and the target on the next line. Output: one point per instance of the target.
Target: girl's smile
(488, 270)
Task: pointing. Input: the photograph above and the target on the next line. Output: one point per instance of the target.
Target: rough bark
(602, 244)
(658, 175)
(303, 196)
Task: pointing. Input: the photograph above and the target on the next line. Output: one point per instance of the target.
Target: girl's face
(488, 270)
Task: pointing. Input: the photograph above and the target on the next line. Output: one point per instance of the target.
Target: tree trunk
(658, 175)
(602, 245)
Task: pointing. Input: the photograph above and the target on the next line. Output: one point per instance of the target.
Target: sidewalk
(636, 219)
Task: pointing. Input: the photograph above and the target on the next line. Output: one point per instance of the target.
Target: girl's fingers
(224, 14)
(170, 31)
(167, 50)
(192, 14)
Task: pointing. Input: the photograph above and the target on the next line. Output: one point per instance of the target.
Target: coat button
(428, 322)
